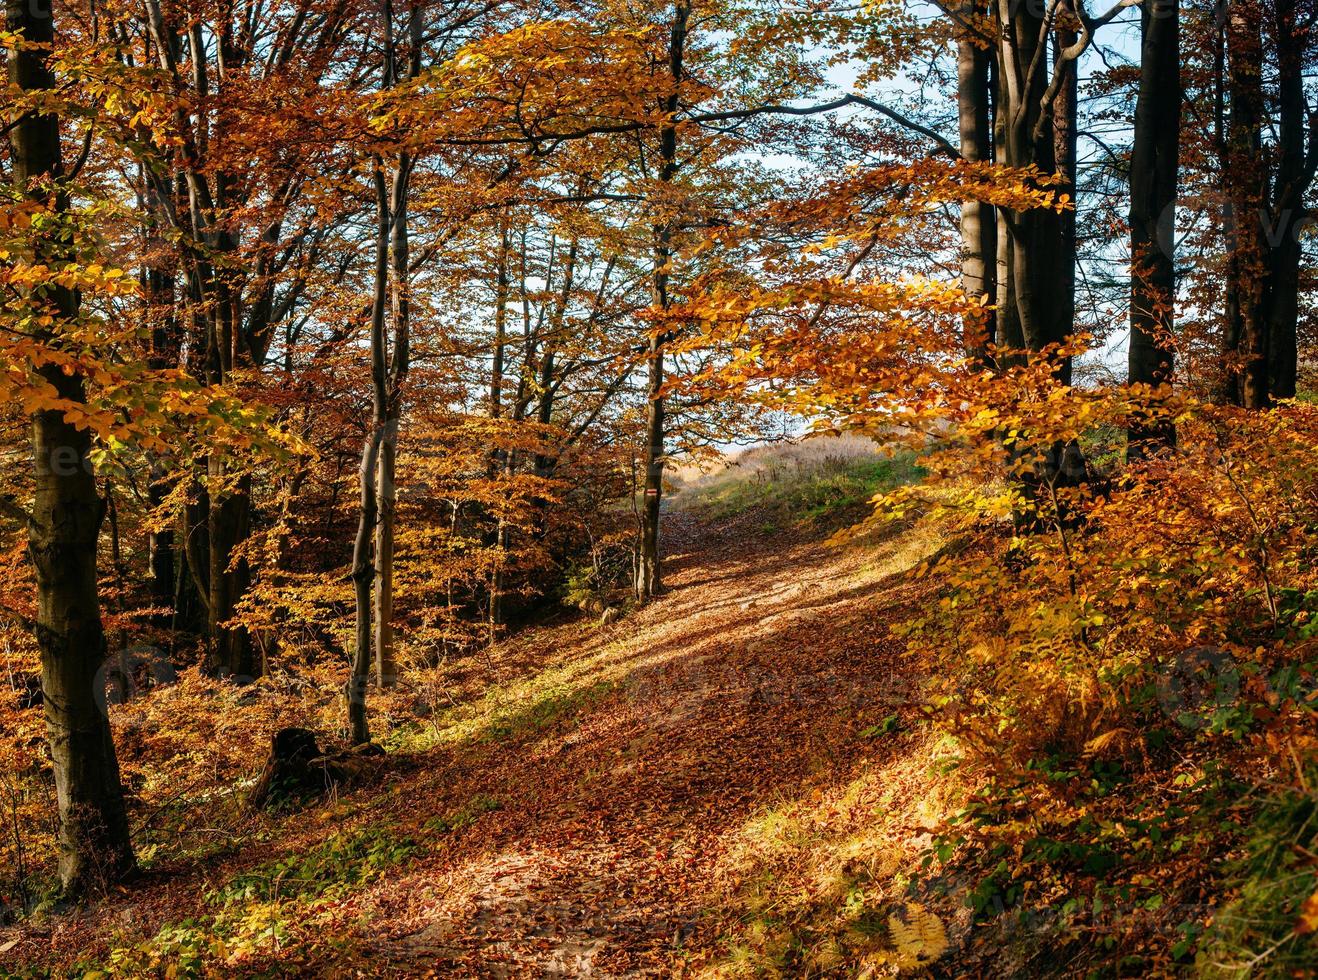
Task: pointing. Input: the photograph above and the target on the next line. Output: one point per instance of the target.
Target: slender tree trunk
(649, 578)
(1006, 319)
(1154, 166)
(978, 222)
(363, 574)
(94, 845)
(229, 522)
(159, 294)
(1042, 262)
(549, 379)
(502, 294)
(648, 572)
(363, 563)
(386, 667)
(1066, 131)
(392, 370)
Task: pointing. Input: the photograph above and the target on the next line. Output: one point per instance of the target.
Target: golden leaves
(917, 934)
(1307, 923)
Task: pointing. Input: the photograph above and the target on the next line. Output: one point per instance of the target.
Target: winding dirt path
(623, 785)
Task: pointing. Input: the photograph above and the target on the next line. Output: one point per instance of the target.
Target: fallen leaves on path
(597, 801)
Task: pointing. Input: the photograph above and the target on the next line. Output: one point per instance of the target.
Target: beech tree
(1154, 169)
(245, 242)
(1266, 181)
(65, 521)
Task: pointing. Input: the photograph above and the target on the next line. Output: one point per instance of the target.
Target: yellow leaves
(17, 215)
(1097, 744)
(1307, 923)
(918, 936)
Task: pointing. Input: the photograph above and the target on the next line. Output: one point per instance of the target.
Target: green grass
(808, 492)
(1255, 935)
(259, 910)
(343, 862)
(464, 816)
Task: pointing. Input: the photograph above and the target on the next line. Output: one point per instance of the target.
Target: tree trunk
(1294, 175)
(157, 280)
(649, 578)
(94, 844)
(1265, 191)
(1154, 166)
(978, 223)
(1037, 127)
(1066, 131)
(1041, 266)
(228, 525)
(502, 294)
(363, 565)
(390, 373)
(363, 574)
(386, 667)
(1007, 322)
(1244, 172)
(649, 582)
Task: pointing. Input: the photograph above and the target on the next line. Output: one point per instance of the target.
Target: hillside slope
(592, 801)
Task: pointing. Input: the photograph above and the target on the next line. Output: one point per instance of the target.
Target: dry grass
(776, 461)
(814, 479)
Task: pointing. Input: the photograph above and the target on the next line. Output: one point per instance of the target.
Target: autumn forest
(655, 488)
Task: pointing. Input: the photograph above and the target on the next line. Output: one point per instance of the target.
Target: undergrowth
(1125, 704)
(1132, 689)
(282, 904)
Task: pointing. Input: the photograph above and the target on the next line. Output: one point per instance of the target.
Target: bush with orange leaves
(1122, 676)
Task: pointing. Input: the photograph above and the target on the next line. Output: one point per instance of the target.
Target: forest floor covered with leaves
(706, 786)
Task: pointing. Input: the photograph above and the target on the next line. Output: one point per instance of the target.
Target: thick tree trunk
(1154, 166)
(1037, 127)
(94, 845)
(228, 526)
(1294, 175)
(1246, 177)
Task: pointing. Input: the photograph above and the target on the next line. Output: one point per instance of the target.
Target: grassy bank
(822, 481)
